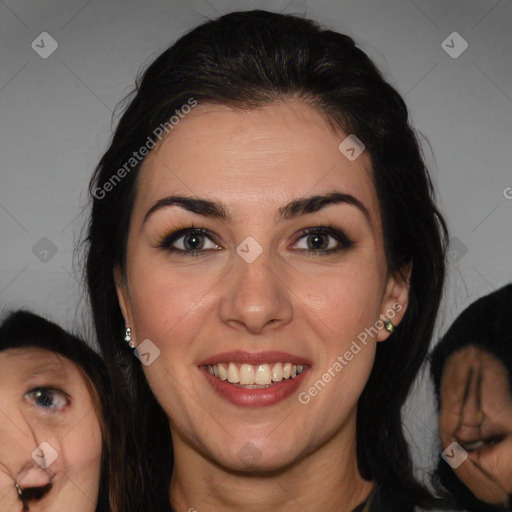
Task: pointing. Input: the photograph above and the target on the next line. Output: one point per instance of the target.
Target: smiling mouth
(258, 376)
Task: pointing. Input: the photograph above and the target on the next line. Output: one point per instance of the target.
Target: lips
(255, 358)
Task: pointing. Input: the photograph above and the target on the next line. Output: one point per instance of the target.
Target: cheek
(163, 299)
(82, 448)
(347, 303)
(349, 371)
(344, 312)
(15, 435)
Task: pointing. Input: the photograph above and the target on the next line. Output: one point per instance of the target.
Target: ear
(396, 299)
(123, 297)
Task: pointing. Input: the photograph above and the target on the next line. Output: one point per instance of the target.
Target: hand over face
(50, 436)
(476, 412)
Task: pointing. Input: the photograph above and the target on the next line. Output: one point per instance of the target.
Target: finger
(488, 479)
(9, 497)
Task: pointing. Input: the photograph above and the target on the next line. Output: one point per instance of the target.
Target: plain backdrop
(56, 117)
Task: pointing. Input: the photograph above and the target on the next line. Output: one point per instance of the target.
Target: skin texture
(64, 419)
(313, 306)
(476, 412)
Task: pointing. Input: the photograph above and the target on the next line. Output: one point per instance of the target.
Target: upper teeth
(261, 374)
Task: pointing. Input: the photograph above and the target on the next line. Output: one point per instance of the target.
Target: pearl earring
(128, 338)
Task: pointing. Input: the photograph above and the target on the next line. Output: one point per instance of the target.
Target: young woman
(63, 428)
(472, 373)
(264, 234)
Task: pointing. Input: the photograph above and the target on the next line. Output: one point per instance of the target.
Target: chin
(250, 459)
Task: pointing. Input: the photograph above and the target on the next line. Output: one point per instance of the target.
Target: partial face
(50, 437)
(476, 411)
(241, 295)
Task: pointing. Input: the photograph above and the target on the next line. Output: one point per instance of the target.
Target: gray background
(56, 116)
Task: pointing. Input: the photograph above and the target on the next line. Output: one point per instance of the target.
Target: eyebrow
(291, 210)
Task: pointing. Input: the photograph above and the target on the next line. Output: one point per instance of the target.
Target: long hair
(22, 329)
(246, 60)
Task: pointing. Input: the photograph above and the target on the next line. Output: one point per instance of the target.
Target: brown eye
(318, 241)
(189, 241)
(193, 241)
(323, 240)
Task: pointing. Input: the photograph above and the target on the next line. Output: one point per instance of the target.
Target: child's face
(50, 436)
(476, 412)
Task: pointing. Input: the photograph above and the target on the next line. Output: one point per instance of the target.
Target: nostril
(35, 493)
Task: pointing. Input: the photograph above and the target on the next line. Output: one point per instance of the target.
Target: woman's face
(252, 288)
(50, 437)
(476, 412)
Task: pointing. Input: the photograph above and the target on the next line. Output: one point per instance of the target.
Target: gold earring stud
(389, 326)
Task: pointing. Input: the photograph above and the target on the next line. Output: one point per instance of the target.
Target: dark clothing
(382, 500)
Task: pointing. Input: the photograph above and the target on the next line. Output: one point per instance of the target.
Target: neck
(325, 479)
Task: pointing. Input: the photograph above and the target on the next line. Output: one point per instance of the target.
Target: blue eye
(51, 400)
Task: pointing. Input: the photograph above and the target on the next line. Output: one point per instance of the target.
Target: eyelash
(328, 230)
(36, 393)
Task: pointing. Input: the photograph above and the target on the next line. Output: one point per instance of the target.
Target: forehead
(27, 362)
(476, 359)
(473, 354)
(273, 153)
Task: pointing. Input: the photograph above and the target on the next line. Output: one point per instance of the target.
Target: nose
(472, 414)
(256, 297)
